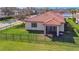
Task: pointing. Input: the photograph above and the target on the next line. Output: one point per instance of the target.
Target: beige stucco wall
(40, 26)
(61, 27)
(77, 17)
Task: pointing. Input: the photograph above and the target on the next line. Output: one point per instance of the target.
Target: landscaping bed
(74, 26)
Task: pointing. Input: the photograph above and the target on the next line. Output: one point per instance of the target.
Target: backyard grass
(18, 33)
(7, 45)
(47, 44)
(15, 30)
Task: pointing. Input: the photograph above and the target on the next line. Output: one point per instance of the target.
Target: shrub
(5, 18)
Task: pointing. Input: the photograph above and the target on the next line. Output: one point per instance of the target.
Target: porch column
(44, 29)
(57, 30)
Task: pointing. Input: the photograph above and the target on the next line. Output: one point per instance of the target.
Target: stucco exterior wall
(40, 26)
(61, 28)
(77, 18)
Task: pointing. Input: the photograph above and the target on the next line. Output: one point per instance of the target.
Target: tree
(8, 11)
(73, 11)
(28, 11)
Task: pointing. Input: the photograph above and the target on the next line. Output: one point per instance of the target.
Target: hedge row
(4, 18)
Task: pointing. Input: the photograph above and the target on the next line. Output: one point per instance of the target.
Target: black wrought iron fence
(39, 38)
(25, 37)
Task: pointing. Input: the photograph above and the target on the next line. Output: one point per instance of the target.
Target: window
(33, 24)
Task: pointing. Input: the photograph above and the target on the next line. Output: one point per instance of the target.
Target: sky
(39, 3)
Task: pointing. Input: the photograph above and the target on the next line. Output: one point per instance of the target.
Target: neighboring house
(2, 14)
(49, 22)
(16, 12)
(67, 15)
(77, 18)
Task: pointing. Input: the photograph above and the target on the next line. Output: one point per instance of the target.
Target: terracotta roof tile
(50, 18)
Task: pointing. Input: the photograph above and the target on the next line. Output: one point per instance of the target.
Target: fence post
(12, 36)
(20, 37)
(36, 39)
(28, 37)
(44, 39)
(6, 36)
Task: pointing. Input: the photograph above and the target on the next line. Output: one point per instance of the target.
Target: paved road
(8, 24)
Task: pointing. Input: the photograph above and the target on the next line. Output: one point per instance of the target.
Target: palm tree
(73, 11)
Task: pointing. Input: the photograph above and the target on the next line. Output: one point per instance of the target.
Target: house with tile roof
(77, 18)
(2, 14)
(67, 15)
(49, 22)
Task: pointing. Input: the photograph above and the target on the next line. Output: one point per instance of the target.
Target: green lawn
(18, 33)
(21, 46)
(38, 44)
(16, 30)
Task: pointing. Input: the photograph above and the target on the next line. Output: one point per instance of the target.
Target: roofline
(44, 23)
(35, 21)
